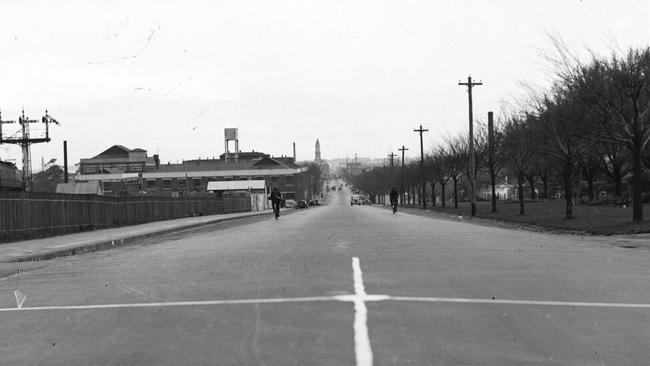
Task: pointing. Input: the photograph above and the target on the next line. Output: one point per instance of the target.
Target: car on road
(356, 200)
(302, 204)
(289, 203)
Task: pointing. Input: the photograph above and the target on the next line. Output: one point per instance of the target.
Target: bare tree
(455, 160)
(517, 149)
(618, 91)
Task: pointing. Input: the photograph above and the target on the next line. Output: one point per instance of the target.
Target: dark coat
(276, 196)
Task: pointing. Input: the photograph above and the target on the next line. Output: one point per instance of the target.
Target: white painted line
(362, 349)
(20, 298)
(344, 298)
(175, 303)
(519, 302)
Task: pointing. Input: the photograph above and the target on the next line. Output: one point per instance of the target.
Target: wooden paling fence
(33, 215)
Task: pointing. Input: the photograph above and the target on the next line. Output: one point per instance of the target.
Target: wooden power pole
(469, 84)
(423, 187)
(402, 184)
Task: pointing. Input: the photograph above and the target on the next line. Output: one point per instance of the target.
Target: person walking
(276, 200)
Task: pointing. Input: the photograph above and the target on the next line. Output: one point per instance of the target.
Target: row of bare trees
(592, 125)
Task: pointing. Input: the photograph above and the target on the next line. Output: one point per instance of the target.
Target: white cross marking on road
(363, 350)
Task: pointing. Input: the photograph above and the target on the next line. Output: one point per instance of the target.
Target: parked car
(314, 202)
(289, 203)
(302, 204)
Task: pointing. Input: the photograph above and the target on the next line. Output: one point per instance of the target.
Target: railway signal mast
(25, 140)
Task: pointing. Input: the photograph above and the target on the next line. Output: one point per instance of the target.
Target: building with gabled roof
(118, 158)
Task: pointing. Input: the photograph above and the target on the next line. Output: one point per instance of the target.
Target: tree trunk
(520, 183)
(493, 183)
(455, 192)
(637, 171)
(568, 194)
(433, 193)
(443, 199)
(413, 190)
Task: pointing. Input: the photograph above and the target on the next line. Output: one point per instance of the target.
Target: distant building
(191, 175)
(119, 159)
(317, 152)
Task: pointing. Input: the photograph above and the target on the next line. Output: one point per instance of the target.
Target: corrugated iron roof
(79, 188)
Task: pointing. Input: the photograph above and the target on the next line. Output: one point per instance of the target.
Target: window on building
(196, 183)
(121, 167)
(107, 186)
(244, 178)
(274, 179)
(89, 169)
(135, 168)
(290, 179)
(182, 183)
(167, 184)
(151, 184)
(227, 178)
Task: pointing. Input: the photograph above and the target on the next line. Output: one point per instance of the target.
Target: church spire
(317, 154)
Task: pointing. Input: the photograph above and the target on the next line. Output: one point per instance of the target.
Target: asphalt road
(287, 292)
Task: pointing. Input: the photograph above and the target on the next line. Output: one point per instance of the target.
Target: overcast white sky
(168, 76)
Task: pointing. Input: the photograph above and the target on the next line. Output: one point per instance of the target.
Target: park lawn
(597, 219)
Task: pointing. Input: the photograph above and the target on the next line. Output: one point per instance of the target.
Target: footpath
(90, 241)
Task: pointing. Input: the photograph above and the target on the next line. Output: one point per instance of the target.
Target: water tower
(231, 134)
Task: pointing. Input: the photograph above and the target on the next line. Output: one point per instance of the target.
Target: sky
(360, 76)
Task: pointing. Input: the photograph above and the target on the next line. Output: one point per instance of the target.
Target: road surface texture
(334, 285)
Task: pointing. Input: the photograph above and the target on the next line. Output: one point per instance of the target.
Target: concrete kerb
(105, 244)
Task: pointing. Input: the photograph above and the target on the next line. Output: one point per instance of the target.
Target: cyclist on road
(394, 195)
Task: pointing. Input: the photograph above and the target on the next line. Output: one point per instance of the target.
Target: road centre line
(362, 348)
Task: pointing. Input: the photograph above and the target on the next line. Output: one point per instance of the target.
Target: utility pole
(402, 184)
(65, 161)
(469, 84)
(25, 140)
(422, 184)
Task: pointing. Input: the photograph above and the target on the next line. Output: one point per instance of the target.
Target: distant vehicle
(302, 204)
(314, 202)
(366, 201)
(289, 203)
(356, 200)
